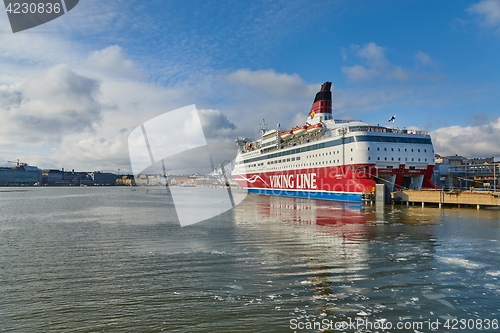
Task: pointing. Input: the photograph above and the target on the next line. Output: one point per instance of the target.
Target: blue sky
(72, 89)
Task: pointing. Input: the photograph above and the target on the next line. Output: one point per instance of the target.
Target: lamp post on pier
(494, 176)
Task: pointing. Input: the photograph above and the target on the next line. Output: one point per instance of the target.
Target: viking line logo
(25, 14)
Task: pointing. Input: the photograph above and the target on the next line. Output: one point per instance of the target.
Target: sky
(73, 89)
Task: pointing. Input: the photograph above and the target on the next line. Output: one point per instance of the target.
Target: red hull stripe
(340, 179)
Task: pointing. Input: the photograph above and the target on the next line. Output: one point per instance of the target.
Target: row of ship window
(399, 159)
(322, 154)
(291, 159)
(339, 143)
(323, 162)
(399, 149)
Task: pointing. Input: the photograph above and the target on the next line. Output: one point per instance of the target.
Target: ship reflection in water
(347, 262)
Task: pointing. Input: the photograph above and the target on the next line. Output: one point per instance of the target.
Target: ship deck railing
(333, 133)
(381, 129)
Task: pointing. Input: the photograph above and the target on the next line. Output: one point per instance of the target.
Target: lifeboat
(316, 128)
(300, 130)
(286, 135)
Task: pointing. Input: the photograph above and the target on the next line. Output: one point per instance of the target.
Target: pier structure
(473, 198)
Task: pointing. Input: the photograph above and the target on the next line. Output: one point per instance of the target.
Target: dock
(456, 198)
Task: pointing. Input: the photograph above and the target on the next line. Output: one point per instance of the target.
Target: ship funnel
(323, 101)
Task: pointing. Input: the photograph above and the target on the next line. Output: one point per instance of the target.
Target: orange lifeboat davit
(316, 128)
(286, 135)
(300, 130)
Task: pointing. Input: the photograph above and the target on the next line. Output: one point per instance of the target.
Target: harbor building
(458, 172)
(20, 175)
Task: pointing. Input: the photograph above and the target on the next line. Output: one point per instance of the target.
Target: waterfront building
(20, 175)
(466, 173)
(104, 178)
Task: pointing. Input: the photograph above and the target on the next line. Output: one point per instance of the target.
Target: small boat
(286, 135)
(300, 130)
(316, 128)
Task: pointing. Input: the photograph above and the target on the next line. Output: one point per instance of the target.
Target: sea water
(115, 259)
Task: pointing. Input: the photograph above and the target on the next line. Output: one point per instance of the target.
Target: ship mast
(263, 127)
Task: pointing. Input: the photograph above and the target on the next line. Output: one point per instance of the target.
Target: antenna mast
(263, 127)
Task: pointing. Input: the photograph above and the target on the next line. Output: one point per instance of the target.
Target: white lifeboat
(316, 128)
(286, 135)
(300, 130)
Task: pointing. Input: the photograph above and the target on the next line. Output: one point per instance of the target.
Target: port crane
(18, 163)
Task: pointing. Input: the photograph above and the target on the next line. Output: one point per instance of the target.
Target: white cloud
(360, 73)
(112, 60)
(93, 152)
(46, 108)
(375, 65)
(488, 12)
(216, 125)
(269, 81)
(423, 58)
(397, 73)
(472, 141)
(34, 49)
(104, 145)
(373, 54)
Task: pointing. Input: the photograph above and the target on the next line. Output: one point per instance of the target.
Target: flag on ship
(311, 114)
(392, 119)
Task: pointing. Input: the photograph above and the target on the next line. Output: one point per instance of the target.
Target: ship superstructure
(334, 159)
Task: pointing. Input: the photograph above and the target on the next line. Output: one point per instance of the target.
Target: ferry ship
(331, 159)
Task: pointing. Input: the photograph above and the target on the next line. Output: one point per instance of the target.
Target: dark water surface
(116, 260)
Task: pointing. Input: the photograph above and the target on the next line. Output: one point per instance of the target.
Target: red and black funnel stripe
(323, 101)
